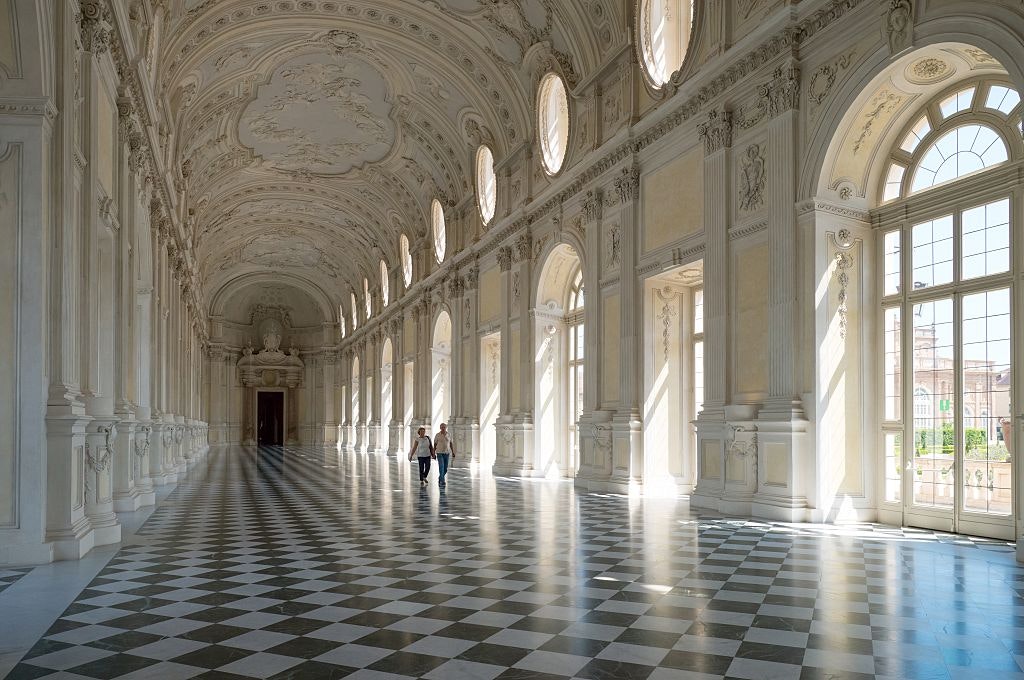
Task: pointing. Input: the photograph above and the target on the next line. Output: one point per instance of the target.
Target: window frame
(438, 230)
(645, 54)
(550, 168)
(486, 191)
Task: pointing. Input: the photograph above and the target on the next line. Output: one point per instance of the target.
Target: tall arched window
(664, 28)
(366, 297)
(406, 260)
(385, 287)
(355, 311)
(486, 185)
(553, 122)
(438, 229)
(574, 322)
(344, 329)
(946, 280)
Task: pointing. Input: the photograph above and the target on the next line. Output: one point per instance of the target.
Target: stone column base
(515, 449)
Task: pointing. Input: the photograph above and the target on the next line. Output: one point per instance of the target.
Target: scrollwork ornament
(592, 206)
(94, 27)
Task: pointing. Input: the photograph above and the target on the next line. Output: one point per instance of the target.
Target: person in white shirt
(424, 451)
(443, 448)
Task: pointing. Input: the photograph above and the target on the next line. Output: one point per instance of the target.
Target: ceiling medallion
(929, 70)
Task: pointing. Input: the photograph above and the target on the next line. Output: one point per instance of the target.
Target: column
(712, 431)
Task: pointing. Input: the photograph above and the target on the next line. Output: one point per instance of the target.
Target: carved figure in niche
(248, 349)
(899, 25)
(752, 179)
(271, 333)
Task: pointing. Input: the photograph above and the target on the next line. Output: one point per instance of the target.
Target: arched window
(344, 329)
(574, 322)
(553, 122)
(438, 228)
(486, 193)
(385, 287)
(406, 260)
(961, 132)
(355, 311)
(949, 269)
(366, 297)
(664, 28)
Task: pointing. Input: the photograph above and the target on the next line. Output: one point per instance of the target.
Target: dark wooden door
(270, 418)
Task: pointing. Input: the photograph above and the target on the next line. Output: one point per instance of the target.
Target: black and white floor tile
(299, 564)
(8, 577)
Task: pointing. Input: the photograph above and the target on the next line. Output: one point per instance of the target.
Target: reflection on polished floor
(300, 564)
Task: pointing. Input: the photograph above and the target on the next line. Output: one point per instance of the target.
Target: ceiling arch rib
(319, 130)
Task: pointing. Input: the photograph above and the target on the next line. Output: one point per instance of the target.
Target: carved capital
(782, 92)
(592, 206)
(524, 246)
(627, 184)
(717, 131)
(472, 277)
(94, 26)
(505, 258)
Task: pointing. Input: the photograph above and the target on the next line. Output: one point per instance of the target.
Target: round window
(553, 122)
(437, 222)
(664, 27)
(406, 260)
(385, 290)
(486, 189)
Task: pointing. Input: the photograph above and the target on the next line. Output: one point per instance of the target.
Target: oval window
(385, 290)
(437, 223)
(486, 185)
(664, 27)
(553, 122)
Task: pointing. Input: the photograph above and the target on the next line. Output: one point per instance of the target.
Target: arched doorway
(440, 370)
(559, 352)
(386, 386)
(925, 273)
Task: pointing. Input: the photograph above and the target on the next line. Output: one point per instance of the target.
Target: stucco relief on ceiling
(321, 115)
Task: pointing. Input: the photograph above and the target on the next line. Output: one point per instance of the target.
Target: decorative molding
(591, 207)
(811, 205)
(627, 184)
(823, 79)
(505, 258)
(752, 179)
(745, 230)
(94, 26)
(717, 131)
(523, 248)
(899, 26)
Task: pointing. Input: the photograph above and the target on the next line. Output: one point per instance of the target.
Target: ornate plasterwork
(929, 70)
(320, 115)
(899, 25)
(824, 78)
(752, 179)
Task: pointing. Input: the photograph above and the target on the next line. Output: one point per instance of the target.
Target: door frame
(284, 411)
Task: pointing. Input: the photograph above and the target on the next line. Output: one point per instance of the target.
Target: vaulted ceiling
(309, 134)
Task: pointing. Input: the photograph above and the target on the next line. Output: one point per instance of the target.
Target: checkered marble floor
(300, 564)
(8, 577)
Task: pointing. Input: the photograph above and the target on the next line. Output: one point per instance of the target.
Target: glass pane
(987, 474)
(698, 377)
(893, 465)
(698, 312)
(933, 252)
(933, 404)
(892, 377)
(891, 255)
(894, 182)
(985, 245)
(914, 137)
(957, 153)
(1002, 98)
(955, 103)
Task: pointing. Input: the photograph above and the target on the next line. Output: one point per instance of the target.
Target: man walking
(443, 448)
(424, 451)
